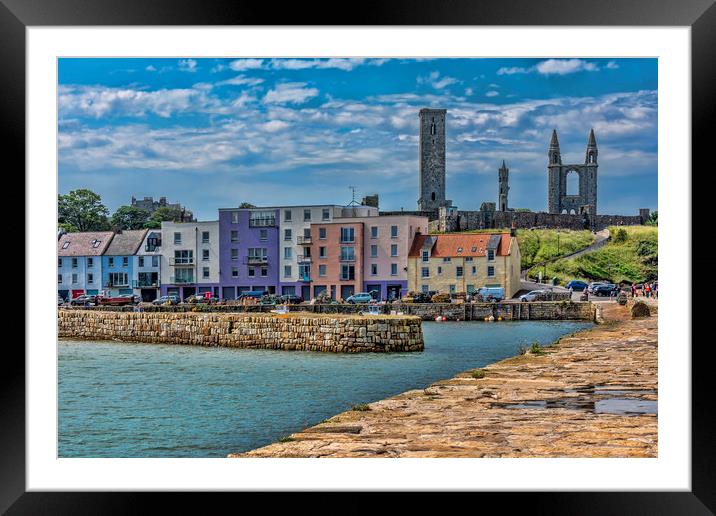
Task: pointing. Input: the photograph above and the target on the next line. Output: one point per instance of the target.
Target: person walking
(647, 289)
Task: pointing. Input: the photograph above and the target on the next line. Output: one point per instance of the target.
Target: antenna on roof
(353, 197)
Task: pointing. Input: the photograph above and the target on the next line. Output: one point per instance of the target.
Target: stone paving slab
(592, 394)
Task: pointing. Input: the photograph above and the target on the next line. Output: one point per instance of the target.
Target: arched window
(432, 196)
(572, 182)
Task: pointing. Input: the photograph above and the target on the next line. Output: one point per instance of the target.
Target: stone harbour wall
(295, 331)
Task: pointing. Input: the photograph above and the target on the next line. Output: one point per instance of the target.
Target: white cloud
(565, 66)
(511, 70)
(187, 65)
(612, 65)
(290, 93)
(345, 64)
(240, 80)
(274, 126)
(150, 68)
(239, 65)
(468, 91)
(436, 81)
(492, 93)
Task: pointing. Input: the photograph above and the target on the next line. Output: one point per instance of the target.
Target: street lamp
(557, 241)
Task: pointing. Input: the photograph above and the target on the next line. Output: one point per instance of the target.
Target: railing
(304, 240)
(347, 258)
(305, 279)
(181, 261)
(180, 281)
(109, 284)
(305, 258)
(262, 223)
(256, 260)
(146, 283)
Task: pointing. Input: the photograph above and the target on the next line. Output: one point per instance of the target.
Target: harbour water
(150, 400)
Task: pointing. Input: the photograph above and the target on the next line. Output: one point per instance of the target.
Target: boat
(280, 309)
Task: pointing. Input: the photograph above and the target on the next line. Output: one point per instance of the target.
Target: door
(77, 293)
(374, 291)
(306, 292)
(393, 292)
(347, 291)
(228, 292)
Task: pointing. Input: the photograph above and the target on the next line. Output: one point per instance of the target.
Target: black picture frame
(700, 15)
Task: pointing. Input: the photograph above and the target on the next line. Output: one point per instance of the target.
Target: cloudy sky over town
(213, 133)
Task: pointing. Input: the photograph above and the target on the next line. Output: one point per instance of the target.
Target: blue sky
(212, 133)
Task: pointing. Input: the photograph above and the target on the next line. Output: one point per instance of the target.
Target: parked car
(84, 299)
(360, 297)
(201, 298)
(606, 289)
(577, 285)
(255, 294)
(593, 285)
(490, 294)
(423, 297)
(60, 301)
(270, 299)
(291, 299)
(121, 300)
(172, 300)
(532, 296)
(135, 299)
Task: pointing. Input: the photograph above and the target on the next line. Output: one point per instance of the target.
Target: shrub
(441, 298)
(286, 439)
(622, 298)
(363, 407)
(620, 235)
(478, 373)
(535, 349)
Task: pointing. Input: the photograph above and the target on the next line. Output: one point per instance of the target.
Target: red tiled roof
(447, 245)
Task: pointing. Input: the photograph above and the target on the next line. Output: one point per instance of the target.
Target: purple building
(248, 250)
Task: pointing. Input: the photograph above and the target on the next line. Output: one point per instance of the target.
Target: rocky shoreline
(591, 394)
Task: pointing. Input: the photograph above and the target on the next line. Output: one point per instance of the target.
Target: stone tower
(432, 160)
(583, 201)
(503, 175)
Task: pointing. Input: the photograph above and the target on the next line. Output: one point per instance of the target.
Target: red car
(114, 301)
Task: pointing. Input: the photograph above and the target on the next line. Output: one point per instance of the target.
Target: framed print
(423, 256)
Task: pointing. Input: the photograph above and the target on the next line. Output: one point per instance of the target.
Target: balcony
(181, 261)
(264, 222)
(304, 279)
(180, 281)
(304, 240)
(304, 258)
(146, 284)
(256, 260)
(347, 258)
(109, 284)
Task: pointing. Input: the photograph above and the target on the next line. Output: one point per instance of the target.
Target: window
(470, 289)
(74, 263)
(474, 270)
(326, 214)
(321, 252)
(65, 245)
(287, 234)
(306, 215)
(183, 257)
(90, 262)
(205, 272)
(393, 231)
(348, 254)
(458, 272)
(452, 289)
(177, 238)
(59, 278)
(426, 256)
(468, 258)
(287, 253)
(140, 261)
(287, 215)
(74, 278)
(347, 235)
(263, 235)
(234, 272)
(155, 261)
(125, 261)
(459, 249)
(321, 270)
(234, 253)
(110, 261)
(374, 269)
(205, 255)
(234, 217)
(204, 237)
(424, 288)
(394, 250)
(184, 276)
(440, 270)
(490, 254)
(262, 219)
(264, 271)
(118, 279)
(59, 262)
(252, 272)
(287, 271)
(473, 249)
(393, 269)
(304, 271)
(374, 231)
(447, 260)
(234, 235)
(373, 251)
(257, 253)
(490, 270)
(425, 272)
(322, 233)
(348, 272)
(95, 244)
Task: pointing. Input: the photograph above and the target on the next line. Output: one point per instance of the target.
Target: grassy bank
(631, 256)
(538, 245)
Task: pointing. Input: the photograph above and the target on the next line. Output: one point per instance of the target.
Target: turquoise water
(152, 400)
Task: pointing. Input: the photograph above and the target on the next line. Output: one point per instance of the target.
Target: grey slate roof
(84, 244)
(494, 242)
(126, 243)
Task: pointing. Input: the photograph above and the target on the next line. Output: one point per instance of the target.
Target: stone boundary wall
(469, 220)
(301, 332)
(510, 311)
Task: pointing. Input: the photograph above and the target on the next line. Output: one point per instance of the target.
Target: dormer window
(459, 249)
(474, 249)
(96, 243)
(490, 254)
(65, 245)
(426, 256)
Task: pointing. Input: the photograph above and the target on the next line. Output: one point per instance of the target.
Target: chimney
(513, 229)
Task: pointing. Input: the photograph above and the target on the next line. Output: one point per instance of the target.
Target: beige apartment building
(463, 262)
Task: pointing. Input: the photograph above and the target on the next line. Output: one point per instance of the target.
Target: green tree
(163, 214)
(82, 210)
(246, 205)
(130, 217)
(653, 219)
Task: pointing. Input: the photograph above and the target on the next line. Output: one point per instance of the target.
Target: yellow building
(464, 262)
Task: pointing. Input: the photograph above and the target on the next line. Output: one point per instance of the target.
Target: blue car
(577, 286)
(360, 297)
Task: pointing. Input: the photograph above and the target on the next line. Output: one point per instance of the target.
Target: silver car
(531, 296)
